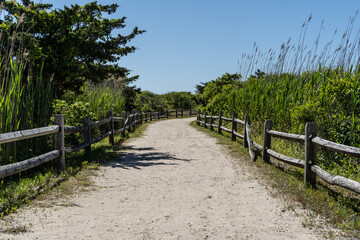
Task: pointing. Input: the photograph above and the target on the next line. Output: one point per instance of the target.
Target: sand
(174, 182)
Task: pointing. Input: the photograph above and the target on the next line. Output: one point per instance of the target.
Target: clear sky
(193, 41)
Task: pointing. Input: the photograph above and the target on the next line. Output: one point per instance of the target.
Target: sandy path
(173, 183)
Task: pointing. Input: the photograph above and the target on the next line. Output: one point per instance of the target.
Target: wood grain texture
(336, 180)
(26, 134)
(289, 160)
(258, 146)
(101, 122)
(288, 136)
(76, 148)
(225, 129)
(239, 121)
(94, 140)
(238, 135)
(10, 169)
(337, 147)
(249, 141)
(74, 129)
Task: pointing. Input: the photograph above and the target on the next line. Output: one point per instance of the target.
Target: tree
(216, 87)
(147, 101)
(178, 100)
(73, 44)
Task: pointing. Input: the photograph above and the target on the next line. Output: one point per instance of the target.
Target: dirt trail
(173, 183)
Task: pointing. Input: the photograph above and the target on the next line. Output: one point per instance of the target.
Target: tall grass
(302, 84)
(298, 57)
(25, 100)
(104, 97)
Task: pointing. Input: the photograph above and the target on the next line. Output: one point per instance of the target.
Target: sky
(193, 41)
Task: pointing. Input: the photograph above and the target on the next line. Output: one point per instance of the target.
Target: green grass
(338, 208)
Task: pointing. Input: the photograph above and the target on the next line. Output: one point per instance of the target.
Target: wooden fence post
(234, 127)
(111, 127)
(310, 153)
(190, 112)
(123, 115)
(146, 117)
(267, 141)
(158, 115)
(128, 118)
(60, 142)
(205, 119)
(176, 113)
(136, 116)
(220, 122)
(150, 116)
(247, 120)
(198, 118)
(87, 134)
(212, 121)
(133, 119)
(182, 112)
(167, 113)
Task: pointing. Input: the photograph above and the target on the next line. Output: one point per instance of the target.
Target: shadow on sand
(141, 157)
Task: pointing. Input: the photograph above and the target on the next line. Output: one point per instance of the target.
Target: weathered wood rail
(128, 121)
(310, 140)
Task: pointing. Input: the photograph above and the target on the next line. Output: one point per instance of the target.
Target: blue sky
(193, 41)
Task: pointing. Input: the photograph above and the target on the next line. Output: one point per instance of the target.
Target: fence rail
(310, 139)
(127, 121)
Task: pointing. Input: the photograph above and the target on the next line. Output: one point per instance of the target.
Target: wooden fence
(310, 140)
(127, 122)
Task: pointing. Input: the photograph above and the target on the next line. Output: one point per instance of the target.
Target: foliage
(75, 44)
(178, 100)
(215, 90)
(329, 97)
(342, 209)
(149, 102)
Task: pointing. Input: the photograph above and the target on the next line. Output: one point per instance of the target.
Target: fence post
(234, 127)
(158, 115)
(310, 153)
(146, 117)
(198, 118)
(111, 127)
(212, 121)
(267, 141)
(176, 114)
(134, 119)
(167, 113)
(60, 142)
(182, 112)
(190, 112)
(123, 115)
(128, 125)
(220, 122)
(150, 116)
(87, 134)
(205, 119)
(247, 120)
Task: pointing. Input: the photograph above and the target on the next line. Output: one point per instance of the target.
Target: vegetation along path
(174, 182)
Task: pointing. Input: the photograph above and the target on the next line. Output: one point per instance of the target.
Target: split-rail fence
(127, 122)
(309, 139)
